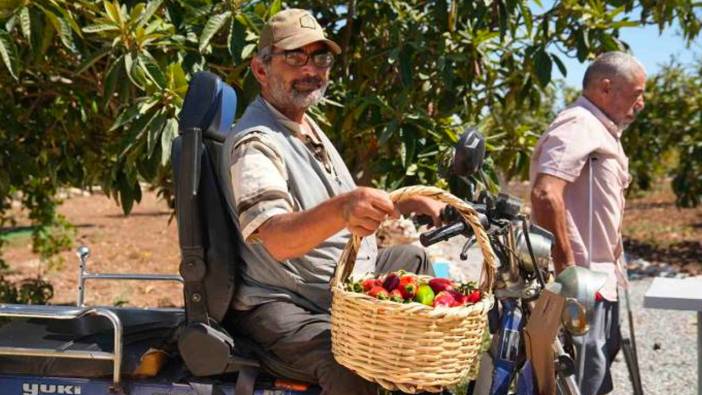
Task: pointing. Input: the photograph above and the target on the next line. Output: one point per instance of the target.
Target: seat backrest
(203, 216)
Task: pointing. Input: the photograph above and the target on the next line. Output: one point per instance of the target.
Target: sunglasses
(298, 58)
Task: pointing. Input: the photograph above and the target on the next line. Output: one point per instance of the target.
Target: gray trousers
(601, 342)
(299, 341)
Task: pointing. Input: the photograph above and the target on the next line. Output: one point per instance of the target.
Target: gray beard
(294, 99)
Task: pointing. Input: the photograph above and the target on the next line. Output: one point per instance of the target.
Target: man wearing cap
(579, 173)
(296, 205)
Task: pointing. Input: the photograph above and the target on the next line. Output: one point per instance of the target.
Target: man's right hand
(363, 210)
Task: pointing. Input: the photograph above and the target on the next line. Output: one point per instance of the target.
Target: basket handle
(487, 276)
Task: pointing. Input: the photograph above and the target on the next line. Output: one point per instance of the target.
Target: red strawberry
(396, 296)
(444, 299)
(369, 283)
(458, 297)
(439, 284)
(379, 292)
(474, 296)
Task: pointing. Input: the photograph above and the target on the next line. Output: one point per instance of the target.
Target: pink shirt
(583, 144)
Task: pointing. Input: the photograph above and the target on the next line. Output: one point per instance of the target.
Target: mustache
(311, 80)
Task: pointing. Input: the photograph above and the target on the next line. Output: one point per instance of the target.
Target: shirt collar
(600, 115)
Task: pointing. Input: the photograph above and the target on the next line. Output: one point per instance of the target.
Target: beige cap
(294, 28)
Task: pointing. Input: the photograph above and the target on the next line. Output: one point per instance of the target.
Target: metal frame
(70, 313)
(83, 275)
(67, 313)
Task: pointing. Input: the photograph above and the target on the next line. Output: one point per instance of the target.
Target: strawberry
(444, 299)
(439, 284)
(474, 297)
(379, 292)
(396, 296)
(459, 298)
(369, 283)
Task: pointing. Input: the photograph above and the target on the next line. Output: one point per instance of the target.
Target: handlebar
(455, 226)
(444, 233)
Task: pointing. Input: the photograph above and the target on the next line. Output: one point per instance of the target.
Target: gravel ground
(667, 348)
(666, 339)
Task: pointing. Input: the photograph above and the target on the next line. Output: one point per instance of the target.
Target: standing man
(296, 205)
(579, 173)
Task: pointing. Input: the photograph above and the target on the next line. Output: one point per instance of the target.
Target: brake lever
(466, 247)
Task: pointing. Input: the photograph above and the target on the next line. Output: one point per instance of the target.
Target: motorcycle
(533, 315)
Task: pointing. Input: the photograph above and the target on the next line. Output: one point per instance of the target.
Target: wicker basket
(410, 347)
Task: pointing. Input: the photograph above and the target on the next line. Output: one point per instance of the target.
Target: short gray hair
(610, 65)
(265, 54)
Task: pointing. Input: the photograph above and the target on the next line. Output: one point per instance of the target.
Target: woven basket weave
(410, 347)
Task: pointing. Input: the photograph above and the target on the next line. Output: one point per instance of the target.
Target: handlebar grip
(423, 219)
(444, 233)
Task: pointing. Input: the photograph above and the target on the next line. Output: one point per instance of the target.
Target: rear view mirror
(469, 154)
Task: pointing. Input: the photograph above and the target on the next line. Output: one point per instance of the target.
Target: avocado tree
(666, 138)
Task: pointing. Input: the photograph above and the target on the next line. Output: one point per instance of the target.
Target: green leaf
(113, 12)
(275, 8)
(582, 44)
(543, 65)
(170, 132)
(26, 23)
(44, 35)
(624, 23)
(610, 43)
(152, 70)
(177, 82)
(388, 132)
(211, 28)
(113, 74)
(247, 51)
(125, 117)
(104, 27)
(8, 53)
(64, 31)
(151, 9)
(559, 63)
(246, 21)
(153, 130)
(406, 65)
(94, 58)
(236, 39)
(135, 74)
(528, 18)
(134, 14)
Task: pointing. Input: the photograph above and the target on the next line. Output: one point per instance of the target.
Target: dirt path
(143, 242)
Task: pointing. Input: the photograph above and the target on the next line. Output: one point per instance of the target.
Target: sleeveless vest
(303, 280)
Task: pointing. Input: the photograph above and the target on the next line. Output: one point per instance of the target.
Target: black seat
(207, 235)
